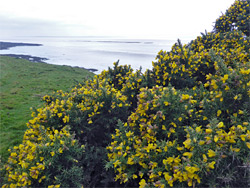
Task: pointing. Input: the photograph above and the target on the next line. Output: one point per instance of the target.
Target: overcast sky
(165, 19)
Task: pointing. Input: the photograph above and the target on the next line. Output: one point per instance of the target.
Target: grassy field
(22, 85)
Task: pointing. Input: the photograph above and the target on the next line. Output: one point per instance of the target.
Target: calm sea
(92, 52)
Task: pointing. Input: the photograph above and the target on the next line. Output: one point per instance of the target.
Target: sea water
(92, 52)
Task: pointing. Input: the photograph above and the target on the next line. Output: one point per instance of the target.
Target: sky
(163, 19)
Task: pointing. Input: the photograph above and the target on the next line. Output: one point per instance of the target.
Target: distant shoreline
(7, 45)
(36, 59)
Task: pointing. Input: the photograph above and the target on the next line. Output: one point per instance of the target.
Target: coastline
(7, 45)
(34, 59)
(27, 57)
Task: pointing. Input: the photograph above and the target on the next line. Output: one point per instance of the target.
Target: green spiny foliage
(183, 123)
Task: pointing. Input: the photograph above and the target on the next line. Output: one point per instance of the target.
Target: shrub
(237, 17)
(184, 123)
(91, 111)
(184, 66)
(45, 157)
(197, 132)
(188, 137)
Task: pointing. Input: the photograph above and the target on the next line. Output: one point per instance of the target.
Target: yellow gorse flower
(211, 153)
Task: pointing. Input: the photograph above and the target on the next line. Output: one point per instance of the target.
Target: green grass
(22, 86)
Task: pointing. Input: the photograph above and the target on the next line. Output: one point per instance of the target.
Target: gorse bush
(47, 157)
(185, 65)
(237, 17)
(184, 123)
(176, 138)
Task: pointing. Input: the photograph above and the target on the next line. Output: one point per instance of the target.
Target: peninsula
(7, 45)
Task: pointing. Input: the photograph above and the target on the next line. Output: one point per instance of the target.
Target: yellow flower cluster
(185, 65)
(150, 145)
(92, 97)
(128, 82)
(143, 148)
(236, 17)
(28, 162)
